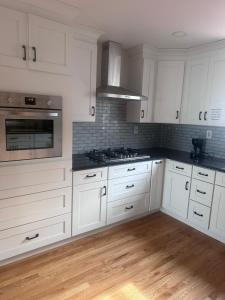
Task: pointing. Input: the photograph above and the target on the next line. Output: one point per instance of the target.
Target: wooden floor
(152, 258)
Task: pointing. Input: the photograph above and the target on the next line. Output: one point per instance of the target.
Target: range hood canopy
(111, 72)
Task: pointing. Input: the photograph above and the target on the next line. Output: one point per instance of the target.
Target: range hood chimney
(111, 72)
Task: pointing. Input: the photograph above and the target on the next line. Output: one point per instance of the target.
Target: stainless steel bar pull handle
(93, 111)
(158, 162)
(129, 170)
(142, 113)
(179, 168)
(177, 114)
(205, 116)
(200, 116)
(105, 190)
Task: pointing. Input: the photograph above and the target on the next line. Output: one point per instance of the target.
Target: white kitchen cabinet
(13, 37)
(169, 84)
(176, 193)
(141, 73)
(49, 44)
(195, 91)
(156, 185)
(198, 215)
(32, 42)
(215, 104)
(217, 223)
(27, 237)
(84, 57)
(89, 206)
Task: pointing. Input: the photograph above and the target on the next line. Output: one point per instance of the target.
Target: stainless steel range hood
(111, 72)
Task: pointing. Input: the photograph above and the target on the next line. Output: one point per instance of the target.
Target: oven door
(30, 133)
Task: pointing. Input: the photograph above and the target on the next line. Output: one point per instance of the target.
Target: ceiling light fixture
(179, 34)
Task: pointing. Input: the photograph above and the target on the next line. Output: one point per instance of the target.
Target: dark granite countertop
(81, 162)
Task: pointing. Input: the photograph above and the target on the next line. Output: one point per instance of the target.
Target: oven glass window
(24, 134)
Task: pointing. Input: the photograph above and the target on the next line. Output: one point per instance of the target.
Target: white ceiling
(132, 22)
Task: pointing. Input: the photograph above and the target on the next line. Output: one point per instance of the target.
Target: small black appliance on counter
(198, 152)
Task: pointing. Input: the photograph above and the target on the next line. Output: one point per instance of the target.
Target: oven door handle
(35, 114)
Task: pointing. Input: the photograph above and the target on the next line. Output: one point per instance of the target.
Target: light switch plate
(209, 134)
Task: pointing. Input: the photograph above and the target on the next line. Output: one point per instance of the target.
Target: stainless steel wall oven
(30, 126)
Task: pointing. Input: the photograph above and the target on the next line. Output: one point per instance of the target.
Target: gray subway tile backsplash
(112, 130)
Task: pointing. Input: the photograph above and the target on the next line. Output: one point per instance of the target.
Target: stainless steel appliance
(30, 126)
(198, 152)
(117, 155)
(111, 73)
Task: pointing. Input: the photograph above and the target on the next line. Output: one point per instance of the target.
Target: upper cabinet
(84, 76)
(215, 102)
(169, 84)
(195, 91)
(13, 36)
(33, 42)
(204, 91)
(141, 73)
(49, 46)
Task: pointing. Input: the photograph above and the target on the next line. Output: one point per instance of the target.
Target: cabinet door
(215, 106)
(13, 36)
(176, 194)
(89, 206)
(169, 85)
(141, 79)
(195, 89)
(84, 77)
(156, 185)
(49, 46)
(217, 223)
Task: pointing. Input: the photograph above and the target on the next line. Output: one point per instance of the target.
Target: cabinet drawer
(126, 208)
(203, 174)
(198, 214)
(16, 180)
(31, 208)
(28, 237)
(88, 176)
(178, 167)
(128, 186)
(220, 178)
(201, 192)
(129, 169)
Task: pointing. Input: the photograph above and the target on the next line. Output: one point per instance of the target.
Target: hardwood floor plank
(155, 257)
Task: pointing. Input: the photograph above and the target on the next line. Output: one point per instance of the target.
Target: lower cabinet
(21, 239)
(156, 185)
(89, 206)
(198, 214)
(176, 194)
(127, 208)
(217, 223)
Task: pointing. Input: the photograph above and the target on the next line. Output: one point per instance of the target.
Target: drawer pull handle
(197, 214)
(105, 190)
(201, 192)
(91, 176)
(186, 185)
(130, 186)
(129, 207)
(158, 162)
(129, 170)
(32, 238)
(179, 168)
(203, 174)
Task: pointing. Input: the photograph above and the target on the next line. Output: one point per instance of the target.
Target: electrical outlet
(136, 130)
(208, 134)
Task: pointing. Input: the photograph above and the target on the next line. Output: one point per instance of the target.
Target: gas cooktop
(116, 155)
